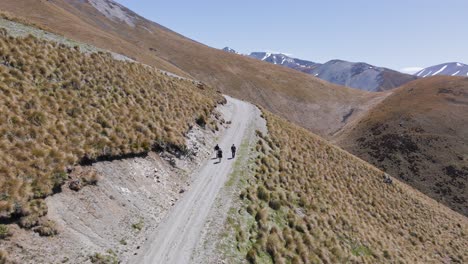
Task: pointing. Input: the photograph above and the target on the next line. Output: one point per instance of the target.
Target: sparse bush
(108, 258)
(4, 231)
(138, 226)
(29, 221)
(46, 228)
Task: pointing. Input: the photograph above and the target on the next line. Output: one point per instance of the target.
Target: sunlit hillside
(61, 106)
(419, 134)
(311, 202)
(315, 104)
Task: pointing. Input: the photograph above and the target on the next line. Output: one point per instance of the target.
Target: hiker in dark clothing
(220, 154)
(216, 148)
(233, 151)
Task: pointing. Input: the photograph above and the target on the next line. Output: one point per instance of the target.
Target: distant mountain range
(356, 75)
(449, 69)
(361, 75)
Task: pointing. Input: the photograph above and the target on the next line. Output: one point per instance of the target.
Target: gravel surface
(177, 238)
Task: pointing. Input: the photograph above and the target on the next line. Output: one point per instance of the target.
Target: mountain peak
(228, 49)
(448, 69)
(283, 59)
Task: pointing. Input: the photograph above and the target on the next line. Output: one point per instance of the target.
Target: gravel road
(176, 238)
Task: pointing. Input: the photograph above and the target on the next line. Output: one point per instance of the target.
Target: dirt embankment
(112, 219)
(152, 208)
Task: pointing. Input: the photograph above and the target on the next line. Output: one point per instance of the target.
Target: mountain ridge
(358, 75)
(447, 69)
(283, 91)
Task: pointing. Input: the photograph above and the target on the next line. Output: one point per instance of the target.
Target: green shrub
(4, 231)
(138, 226)
(109, 258)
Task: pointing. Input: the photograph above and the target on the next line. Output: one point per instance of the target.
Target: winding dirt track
(178, 235)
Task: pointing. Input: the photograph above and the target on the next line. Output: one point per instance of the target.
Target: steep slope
(310, 202)
(61, 107)
(419, 134)
(448, 69)
(292, 94)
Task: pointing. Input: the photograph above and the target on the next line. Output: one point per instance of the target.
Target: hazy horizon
(400, 35)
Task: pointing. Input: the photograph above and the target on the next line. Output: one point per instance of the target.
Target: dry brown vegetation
(60, 107)
(311, 202)
(419, 134)
(299, 97)
(12, 17)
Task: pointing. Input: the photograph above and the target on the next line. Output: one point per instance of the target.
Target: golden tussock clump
(60, 106)
(311, 202)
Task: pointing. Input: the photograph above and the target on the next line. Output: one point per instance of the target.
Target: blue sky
(396, 34)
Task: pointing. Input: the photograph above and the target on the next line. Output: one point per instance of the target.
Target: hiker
(216, 148)
(233, 150)
(220, 154)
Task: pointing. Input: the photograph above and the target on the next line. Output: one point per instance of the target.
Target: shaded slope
(419, 134)
(313, 103)
(311, 202)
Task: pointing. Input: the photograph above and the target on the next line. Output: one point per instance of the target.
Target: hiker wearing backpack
(220, 154)
(233, 151)
(216, 149)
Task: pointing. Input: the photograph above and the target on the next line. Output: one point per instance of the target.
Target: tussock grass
(9, 16)
(314, 203)
(60, 107)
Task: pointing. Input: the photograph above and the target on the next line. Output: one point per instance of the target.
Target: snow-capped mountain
(356, 75)
(361, 75)
(449, 69)
(284, 60)
(228, 49)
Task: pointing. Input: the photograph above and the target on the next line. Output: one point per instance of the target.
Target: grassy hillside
(419, 134)
(301, 98)
(310, 202)
(61, 106)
